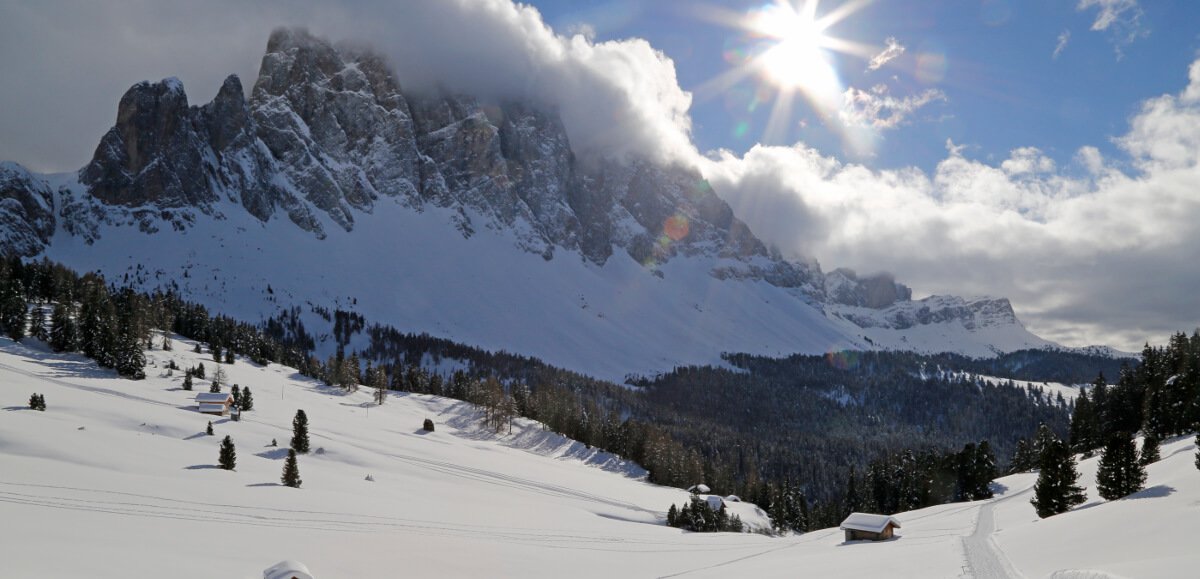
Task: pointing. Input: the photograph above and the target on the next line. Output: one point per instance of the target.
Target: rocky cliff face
(328, 134)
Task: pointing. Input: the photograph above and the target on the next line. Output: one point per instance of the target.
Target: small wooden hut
(217, 403)
(869, 527)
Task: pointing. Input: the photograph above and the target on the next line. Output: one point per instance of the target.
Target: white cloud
(878, 109)
(1063, 38)
(1108, 257)
(1122, 19)
(617, 97)
(892, 50)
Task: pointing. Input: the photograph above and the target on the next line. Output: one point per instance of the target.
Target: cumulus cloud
(1122, 19)
(878, 109)
(892, 50)
(1108, 257)
(1063, 38)
(617, 97)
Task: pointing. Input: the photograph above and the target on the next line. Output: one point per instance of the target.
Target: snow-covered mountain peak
(609, 267)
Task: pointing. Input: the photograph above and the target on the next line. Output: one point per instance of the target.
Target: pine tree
(1056, 490)
(37, 402)
(300, 432)
(1150, 453)
(1022, 459)
(199, 371)
(236, 392)
(853, 501)
(63, 332)
(1083, 424)
(215, 387)
(291, 471)
(37, 324)
(12, 309)
(187, 380)
(228, 458)
(673, 516)
(1043, 440)
(209, 430)
(247, 399)
(229, 356)
(1120, 473)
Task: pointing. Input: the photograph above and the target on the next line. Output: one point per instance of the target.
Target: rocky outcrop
(26, 211)
(844, 286)
(328, 134)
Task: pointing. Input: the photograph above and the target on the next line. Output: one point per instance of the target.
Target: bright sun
(791, 52)
(797, 59)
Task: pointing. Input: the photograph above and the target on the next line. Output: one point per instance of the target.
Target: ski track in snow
(984, 558)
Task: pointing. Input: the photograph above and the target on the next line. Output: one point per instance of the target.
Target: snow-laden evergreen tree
(1120, 473)
(215, 387)
(209, 430)
(1056, 490)
(236, 392)
(300, 432)
(228, 458)
(187, 380)
(672, 516)
(291, 470)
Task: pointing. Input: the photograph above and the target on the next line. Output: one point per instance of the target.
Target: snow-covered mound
(118, 479)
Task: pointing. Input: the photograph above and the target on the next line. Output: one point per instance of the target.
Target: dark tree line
(779, 432)
(697, 516)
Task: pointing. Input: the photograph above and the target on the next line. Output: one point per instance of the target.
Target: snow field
(118, 479)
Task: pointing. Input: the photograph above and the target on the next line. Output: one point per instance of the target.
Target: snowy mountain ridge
(465, 219)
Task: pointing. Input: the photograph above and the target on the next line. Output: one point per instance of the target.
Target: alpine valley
(440, 213)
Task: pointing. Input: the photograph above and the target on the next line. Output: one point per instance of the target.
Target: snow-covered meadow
(118, 479)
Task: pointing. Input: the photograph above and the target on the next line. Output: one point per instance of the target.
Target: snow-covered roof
(714, 502)
(733, 499)
(699, 489)
(213, 397)
(868, 522)
(287, 570)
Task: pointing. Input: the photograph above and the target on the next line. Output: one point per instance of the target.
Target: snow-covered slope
(118, 479)
(447, 215)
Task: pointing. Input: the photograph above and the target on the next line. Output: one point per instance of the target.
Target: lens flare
(676, 227)
(842, 359)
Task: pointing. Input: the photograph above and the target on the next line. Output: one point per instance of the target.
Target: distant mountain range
(331, 186)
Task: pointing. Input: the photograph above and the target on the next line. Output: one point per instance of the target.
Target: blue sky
(1004, 87)
(976, 162)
